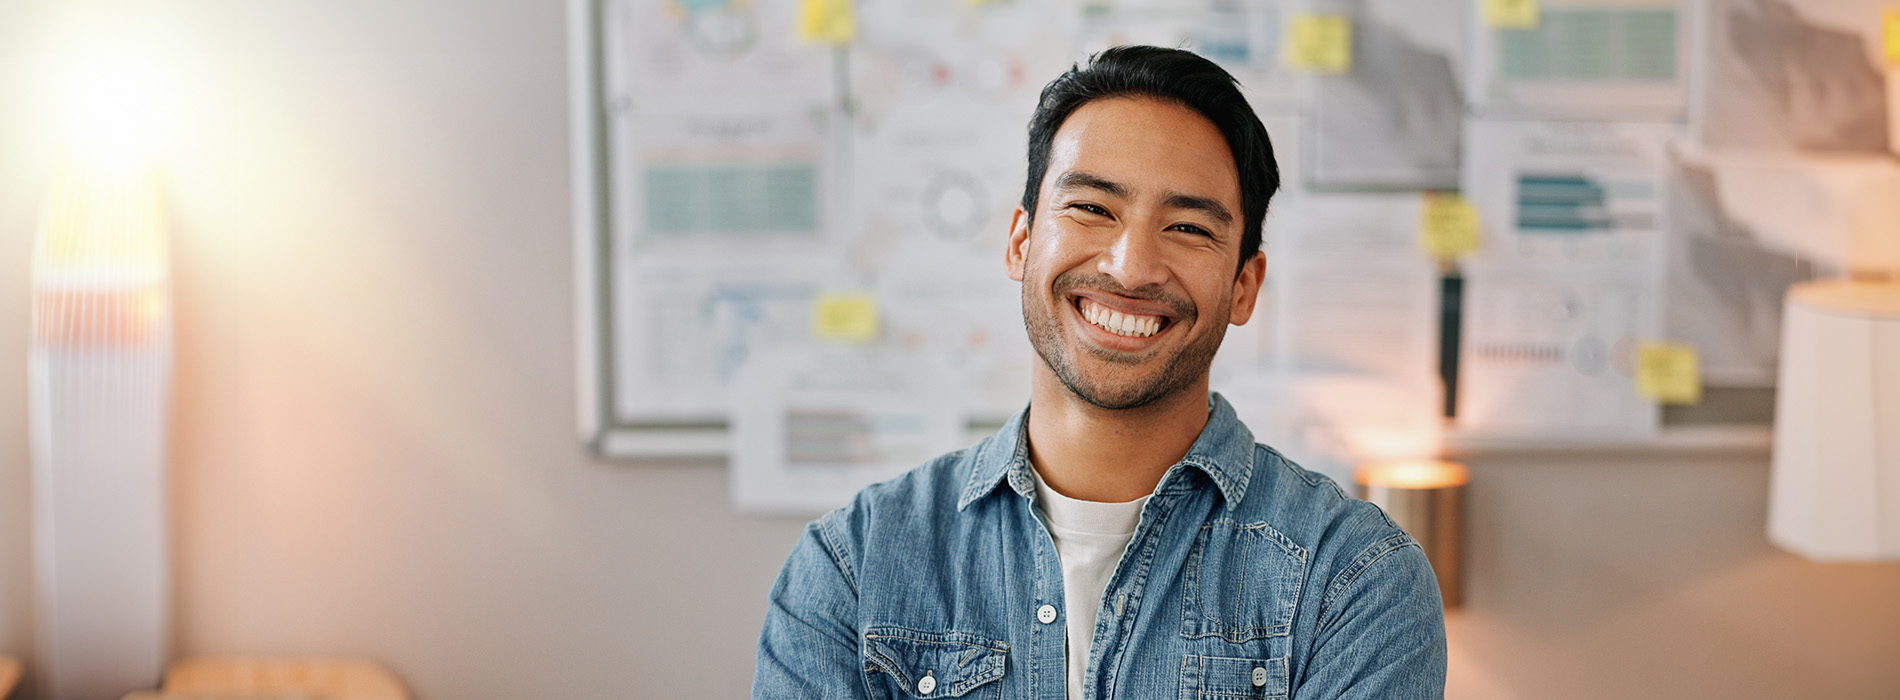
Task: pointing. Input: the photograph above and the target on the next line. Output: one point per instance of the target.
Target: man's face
(1128, 278)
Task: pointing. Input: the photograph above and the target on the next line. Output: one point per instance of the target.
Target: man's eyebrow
(1077, 179)
(1215, 209)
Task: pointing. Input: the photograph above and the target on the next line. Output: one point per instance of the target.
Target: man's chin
(1117, 396)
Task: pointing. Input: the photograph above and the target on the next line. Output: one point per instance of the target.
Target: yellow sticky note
(844, 318)
(1890, 34)
(1668, 373)
(1511, 14)
(1319, 44)
(826, 21)
(1448, 226)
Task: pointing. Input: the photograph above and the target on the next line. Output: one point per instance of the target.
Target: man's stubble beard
(1186, 367)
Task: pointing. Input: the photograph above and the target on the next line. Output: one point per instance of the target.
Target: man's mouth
(1130, 325)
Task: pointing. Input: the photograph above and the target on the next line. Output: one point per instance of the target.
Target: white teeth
(1119, 323)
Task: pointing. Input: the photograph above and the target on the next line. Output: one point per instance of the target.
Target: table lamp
(1834, 494)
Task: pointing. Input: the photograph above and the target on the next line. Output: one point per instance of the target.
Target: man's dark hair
(1173, 76)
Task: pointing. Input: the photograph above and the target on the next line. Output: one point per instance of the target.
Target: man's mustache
(1183, 309)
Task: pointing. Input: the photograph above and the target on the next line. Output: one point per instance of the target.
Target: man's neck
(1091, 453)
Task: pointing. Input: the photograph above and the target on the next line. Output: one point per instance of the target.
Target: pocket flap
(1214, 677)
(955, 662)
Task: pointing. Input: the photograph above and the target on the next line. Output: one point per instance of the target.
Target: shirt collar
(1224, 451)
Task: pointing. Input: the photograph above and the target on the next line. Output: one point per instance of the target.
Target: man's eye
(1191, 228)
(1090, 208)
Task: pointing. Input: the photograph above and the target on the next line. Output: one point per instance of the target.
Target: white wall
(375, 450)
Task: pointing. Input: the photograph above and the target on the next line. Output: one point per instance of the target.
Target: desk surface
(328, 679)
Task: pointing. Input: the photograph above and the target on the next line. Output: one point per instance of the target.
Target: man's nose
(1134, 259)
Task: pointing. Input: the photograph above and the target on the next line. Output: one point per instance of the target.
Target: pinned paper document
(1319, 44)
(1668, 373)
(826, 21)
(844, 318)
(1448, 226)
(1592, 61)
(1511, 14)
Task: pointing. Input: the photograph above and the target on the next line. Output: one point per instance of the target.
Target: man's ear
(1247, 288)
(1018, 248)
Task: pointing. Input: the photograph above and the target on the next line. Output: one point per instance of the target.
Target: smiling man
(1123, 536)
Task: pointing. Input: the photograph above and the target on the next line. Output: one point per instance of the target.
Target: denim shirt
(1248, 577)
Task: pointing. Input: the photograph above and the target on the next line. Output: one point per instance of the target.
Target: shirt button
(928, 683)
(1046, 614)
(1259, 677)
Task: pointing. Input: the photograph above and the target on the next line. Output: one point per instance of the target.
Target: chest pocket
(1242, 582)
(1219, 678)
(911, 664)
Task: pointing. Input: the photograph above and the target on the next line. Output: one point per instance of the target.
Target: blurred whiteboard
(731, 178)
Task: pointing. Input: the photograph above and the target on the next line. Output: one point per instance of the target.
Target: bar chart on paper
(1581, 203)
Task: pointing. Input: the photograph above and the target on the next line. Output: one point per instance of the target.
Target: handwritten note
(1668, 373)
(1448, 226)
(1511, 14)
(844, 318)
(1319, 44)
(826, 21)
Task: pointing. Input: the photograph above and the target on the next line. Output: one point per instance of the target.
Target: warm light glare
(101, 227)
(100, 264)
(1413, 474)
(101, 268)
(112, 97)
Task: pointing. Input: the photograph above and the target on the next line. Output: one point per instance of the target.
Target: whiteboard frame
(591, 177)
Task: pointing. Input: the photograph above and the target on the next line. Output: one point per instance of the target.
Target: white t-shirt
(1090, 537)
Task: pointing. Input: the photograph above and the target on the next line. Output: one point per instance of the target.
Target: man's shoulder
(1311, 509)
(921, 498)
(932, 484)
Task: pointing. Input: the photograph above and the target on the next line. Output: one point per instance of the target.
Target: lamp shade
(1835, 491)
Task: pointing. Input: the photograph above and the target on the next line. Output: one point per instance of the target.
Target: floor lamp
(99, 379)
